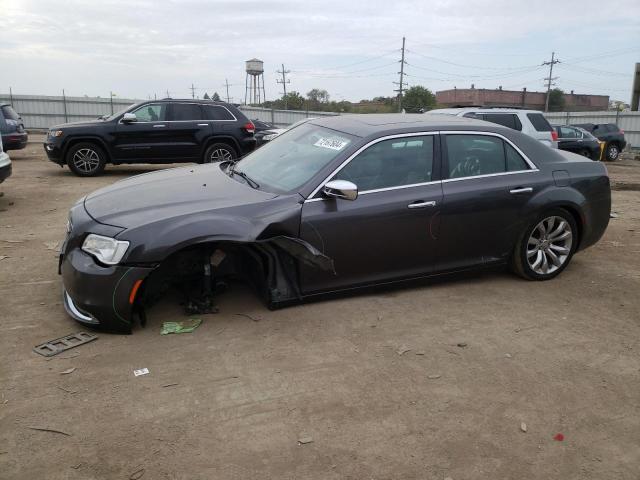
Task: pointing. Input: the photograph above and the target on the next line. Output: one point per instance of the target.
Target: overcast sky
(351, 48)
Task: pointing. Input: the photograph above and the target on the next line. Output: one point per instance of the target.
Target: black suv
(158, 131)
(14, 136)
(610, 134)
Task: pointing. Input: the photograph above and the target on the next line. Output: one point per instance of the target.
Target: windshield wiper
(251, 182)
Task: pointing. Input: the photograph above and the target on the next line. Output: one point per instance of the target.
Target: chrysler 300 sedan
(333, 204)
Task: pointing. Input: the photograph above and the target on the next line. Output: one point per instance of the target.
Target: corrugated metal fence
(41, 112)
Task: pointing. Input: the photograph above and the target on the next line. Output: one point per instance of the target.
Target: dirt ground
(377, 381)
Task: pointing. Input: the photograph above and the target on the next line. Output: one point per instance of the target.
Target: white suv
(5, 164)
(530, 122)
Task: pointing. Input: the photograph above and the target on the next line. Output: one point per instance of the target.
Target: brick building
(463, 97)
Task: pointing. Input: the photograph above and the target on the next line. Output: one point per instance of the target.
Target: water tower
(255, 75)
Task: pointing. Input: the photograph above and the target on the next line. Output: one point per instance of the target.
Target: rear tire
(219, 152)
(86, 159)
(546, 246)
(612, 152)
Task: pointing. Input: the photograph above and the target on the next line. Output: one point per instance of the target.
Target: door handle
(159, 126)
(203, 124)
(419, 204)
(518, 190)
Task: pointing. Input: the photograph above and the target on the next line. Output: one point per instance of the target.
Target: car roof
(458, 110)
(363, 125)
(186, 100)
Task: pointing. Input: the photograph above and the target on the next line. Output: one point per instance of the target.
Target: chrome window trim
(377, 190)
(533, 167)
(235, 119)
(527, 160)
(360, 150)
(499, 174)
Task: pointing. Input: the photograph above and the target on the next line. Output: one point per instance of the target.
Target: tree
(216, 97)
(418, 98)
(206, 96)
(556, 100)
(316, 98)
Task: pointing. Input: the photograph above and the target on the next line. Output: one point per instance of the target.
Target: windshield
(291, 159)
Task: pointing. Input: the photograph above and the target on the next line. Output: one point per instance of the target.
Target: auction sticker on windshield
(332, 143)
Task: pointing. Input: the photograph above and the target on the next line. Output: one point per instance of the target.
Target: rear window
(9, 113)
(185, 112)
(539, 122)
(505, 119)
(215, 112)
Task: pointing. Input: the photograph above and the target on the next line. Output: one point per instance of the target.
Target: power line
(550, 78)
(284, 82)
(462, 65)
(354, 63)
(401, 83)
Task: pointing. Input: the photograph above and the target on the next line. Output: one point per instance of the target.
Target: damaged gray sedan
(333, 204)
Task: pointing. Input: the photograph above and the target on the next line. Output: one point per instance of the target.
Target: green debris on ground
(185, 326)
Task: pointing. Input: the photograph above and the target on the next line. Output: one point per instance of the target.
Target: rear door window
(539, 122)
(474, 155)
(216, 112)
(508, 120)
(181, 112)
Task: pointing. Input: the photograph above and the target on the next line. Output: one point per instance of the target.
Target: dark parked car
(577, 140)
(333, 204)
(158, 131)
(14, 136)
(262, 129)
(608, 133)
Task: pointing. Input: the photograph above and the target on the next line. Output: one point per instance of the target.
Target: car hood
(163, 195)
(84, 123)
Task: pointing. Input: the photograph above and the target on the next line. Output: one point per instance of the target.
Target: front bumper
(54, 152)
(15, 141)
(99, 296)
(5, 167)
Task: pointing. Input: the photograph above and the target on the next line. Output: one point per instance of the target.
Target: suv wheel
(546, 246)
(219, 152)
(613, 151)
(86, 159)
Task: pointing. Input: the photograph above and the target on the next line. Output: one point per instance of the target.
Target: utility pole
(284, 82)
(401, 84)
(226, 84)
(550, 78)
(193, 91)
(168, 96)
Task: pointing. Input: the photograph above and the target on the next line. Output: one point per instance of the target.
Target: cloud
(145, 47)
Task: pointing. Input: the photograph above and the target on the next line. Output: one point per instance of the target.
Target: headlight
(55, 133)
(107, 250)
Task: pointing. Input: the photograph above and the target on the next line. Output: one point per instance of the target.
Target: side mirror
(341, 189)
(129, 118)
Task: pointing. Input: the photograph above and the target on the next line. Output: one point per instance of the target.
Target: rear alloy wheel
(219, 152)
(86, 159)
(612, 152)
(547, 247)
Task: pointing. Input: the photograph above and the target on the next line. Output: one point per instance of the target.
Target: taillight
(249, 127)
(554, 135)
(622, 131)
